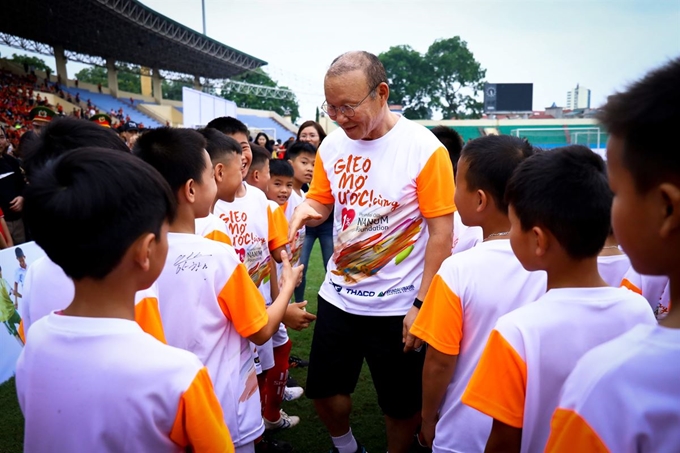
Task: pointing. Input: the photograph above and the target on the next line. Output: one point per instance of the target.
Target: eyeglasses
(347, 110)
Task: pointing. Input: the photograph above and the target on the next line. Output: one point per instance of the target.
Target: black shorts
(340, 344)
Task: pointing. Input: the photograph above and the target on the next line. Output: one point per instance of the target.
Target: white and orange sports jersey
(255, 231)
(622, 397)
(654, 288)
(212, 227)
(464, 237)
(48, 288)
(104, 385)
(535, 347)
(384, 191)
(462, 306)
(613, 268)
(209, 306)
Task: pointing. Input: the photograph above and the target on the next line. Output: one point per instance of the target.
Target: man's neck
(389, 121)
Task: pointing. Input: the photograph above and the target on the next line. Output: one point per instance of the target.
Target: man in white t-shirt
(391, 183)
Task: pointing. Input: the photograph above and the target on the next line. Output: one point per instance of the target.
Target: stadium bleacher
(106, 102)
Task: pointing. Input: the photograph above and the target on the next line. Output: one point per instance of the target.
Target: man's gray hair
(363, 61)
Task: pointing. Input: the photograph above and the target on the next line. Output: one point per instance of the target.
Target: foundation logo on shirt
(351, 191)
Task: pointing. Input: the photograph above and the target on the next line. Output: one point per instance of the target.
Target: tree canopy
(283, 107)
(127, 81)
(447, 78)
(37, 63)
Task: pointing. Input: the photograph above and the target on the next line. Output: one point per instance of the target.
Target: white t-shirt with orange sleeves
(212, 227)
(613, 268)
(651, 287)
(209, 306)
(464, 237)
(535, 347)
(461, 308)
(49, 289)
(383, 190)
(103, 385)
(622, 396)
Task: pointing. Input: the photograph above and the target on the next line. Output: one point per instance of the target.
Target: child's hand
(291, 276)
(297, 317)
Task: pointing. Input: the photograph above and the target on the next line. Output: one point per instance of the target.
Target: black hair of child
(566, 192)
(219, 145)
(87, 207)
(66, 134)
(178, 154)
(281, 167)
(491, 160)
(451, 140)
(298, 148)
(644, 117)
(260, 156)
(228, 125)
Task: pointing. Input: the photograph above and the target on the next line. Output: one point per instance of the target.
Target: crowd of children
(158, 319)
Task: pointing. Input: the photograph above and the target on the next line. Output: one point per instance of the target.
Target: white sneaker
(292, 393)
(284, 422)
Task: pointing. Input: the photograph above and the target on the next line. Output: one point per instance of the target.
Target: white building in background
(578, 98)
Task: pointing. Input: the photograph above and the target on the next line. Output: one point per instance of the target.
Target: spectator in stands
(129, 132)
(11, 191)
(99, 87)
(102, 119)
(76, 82)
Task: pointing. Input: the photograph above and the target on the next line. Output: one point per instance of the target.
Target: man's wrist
(417, 303)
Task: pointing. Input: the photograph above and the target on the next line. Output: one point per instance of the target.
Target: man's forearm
(438, 248)
(323, 209)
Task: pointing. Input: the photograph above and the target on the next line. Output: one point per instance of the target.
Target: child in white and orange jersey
(465, 300)
(560, 217)
(612, 263)
(90, 379)
(654, 288)
(623, 396)
(46, 287)
(225, 155)
(208, 302)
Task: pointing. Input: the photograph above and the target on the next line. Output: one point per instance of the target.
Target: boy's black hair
(643, 117)
(281, 167)
(260, 156)
(219, 145)
(491, 160)
(298, 148)
(176, 153)
(228, 125)
(566, 192)
(66, 134)
(88, 206)
(451, 140)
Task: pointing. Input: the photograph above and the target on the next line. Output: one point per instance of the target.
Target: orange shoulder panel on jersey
(498, 385)
(628, 285)
(199, 422)
(440, 319)
(148, 316)
(219, 236)
(569, 432)
(242, 303)
(320, 188)
(435, 185)
(278, 228)
(22, 335)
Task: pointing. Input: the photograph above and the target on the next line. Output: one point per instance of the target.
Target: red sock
(276, 382)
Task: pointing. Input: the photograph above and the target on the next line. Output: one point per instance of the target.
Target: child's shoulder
(182, 244)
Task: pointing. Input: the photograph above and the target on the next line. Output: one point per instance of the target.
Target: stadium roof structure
(92, 31)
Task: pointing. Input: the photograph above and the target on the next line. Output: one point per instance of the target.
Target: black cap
(19, 253)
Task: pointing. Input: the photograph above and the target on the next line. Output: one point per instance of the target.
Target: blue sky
(601, 44)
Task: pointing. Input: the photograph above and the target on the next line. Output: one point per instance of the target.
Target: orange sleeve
(148, 316)
(278, 228)
(440, 319)
(569, 432)
(219, 236)
(242, 303)
(435, 185)
(629, 285)
(320, 188)
(22, 335)
(498, 385)
(199, 422)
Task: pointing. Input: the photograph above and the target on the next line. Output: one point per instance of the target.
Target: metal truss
(259, 90)
(150, 20)
(25, 44)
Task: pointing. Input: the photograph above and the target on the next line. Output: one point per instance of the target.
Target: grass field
(309, 436)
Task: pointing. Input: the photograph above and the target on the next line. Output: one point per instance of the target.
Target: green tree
(259, 77)
(172, 89)
(127, 80)
(459, 78)
(38, 63)
(410, 79)
(446, 78)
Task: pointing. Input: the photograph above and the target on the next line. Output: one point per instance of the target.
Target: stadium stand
(105, 102)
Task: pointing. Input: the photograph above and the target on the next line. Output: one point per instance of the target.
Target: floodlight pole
(203, 7)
